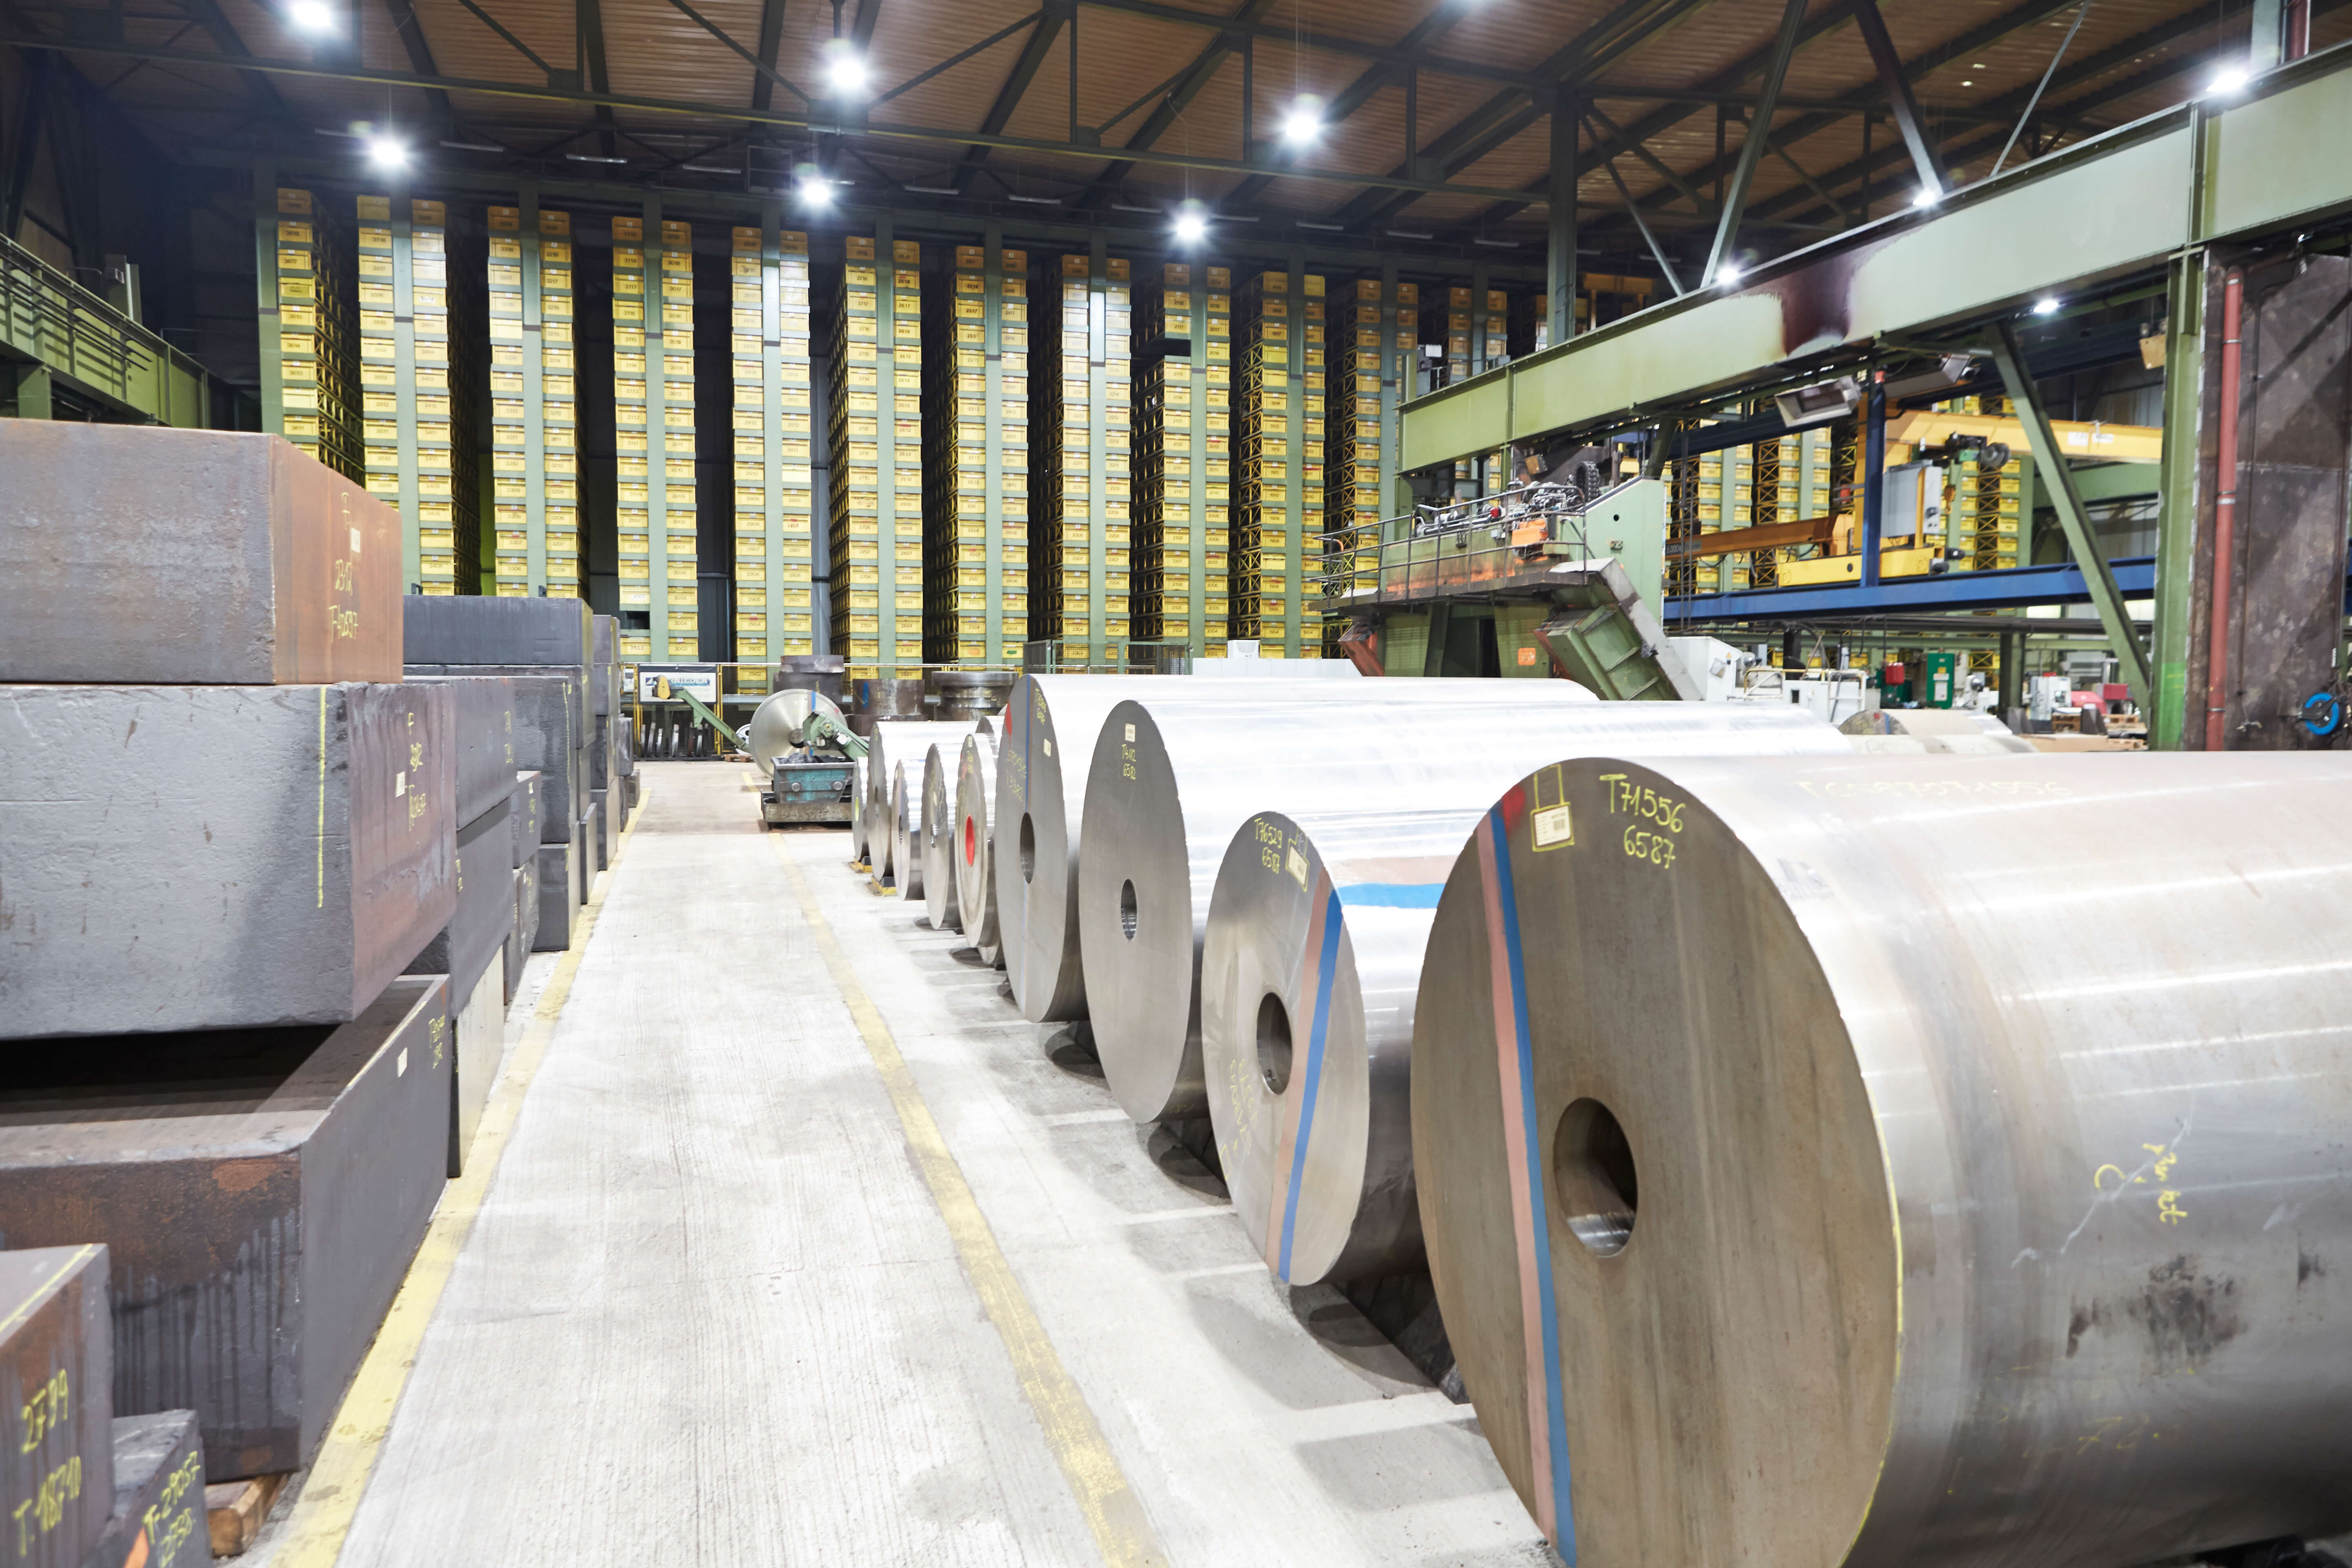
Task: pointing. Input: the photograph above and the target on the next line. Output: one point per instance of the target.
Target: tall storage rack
(419, 338)
(310, 349)
(1082, 494)
(653, 398)
(875, 421)
(1183, 462)
(1278, 437)
(534, 403)
(1371, 376)
(976, 460)
(775, 507)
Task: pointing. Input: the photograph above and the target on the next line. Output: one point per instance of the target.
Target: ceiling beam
(405, 22)
(2029, 14)
(215, 21)
(1358, 92)
(1894, 81)
(1613, 38)
(1008, 97)
(771, 39)
(1237, 27)
(1753, 145)
(1171, 108)
(588, 34)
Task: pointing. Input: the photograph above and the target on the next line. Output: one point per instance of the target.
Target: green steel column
(2176, 521)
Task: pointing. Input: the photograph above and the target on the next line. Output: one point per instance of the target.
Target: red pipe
(2225, 512)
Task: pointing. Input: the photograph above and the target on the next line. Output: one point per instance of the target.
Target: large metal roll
(895, 740)
(1901, 1161)
(975, 840)
(780, 725)
(1170, 786)
(860, 811)
(902, 872)
(936, 833)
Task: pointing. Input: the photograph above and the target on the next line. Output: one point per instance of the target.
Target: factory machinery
(1981, 1117)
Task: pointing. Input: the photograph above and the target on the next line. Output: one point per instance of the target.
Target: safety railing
(47, 317)
(1452, 549)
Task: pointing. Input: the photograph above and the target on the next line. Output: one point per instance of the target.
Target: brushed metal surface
(892, 742)
(975, 841)
(1168, 787)
(861, 813)
(56, 1365)
(1981, 1171)
(935, 831)
(779, 724)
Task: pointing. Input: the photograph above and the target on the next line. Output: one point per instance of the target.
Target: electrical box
(1938, 679)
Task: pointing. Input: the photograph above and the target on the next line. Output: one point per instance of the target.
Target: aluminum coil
(892, 742)
(1171, 786)
(1051, 719)
(901, 871)
(860, 812)
(975, 839)
(1912, 1161)
(935, 834)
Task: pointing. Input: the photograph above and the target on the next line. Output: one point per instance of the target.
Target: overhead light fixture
(311, 16)
(474, 146)
(1407, 234)
(1926, 197)
(1033, 201)
(1192, 223)
(1303, 123)
(1730, 272)
(2045, 306)
(844, 69)
(1967, 84)
(708, 169)
(1132, 207)
(1496, 244)
(1819, 404)
(1323, 227)
(932, 190)
(591, 158)
(386, 152)
(1239, 217)
(815, 191)
(2230, 81)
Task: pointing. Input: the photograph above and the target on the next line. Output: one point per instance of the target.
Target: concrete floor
(710, 1312)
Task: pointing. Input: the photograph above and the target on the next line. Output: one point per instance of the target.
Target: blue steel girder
(2115, 207)
(1954, 591)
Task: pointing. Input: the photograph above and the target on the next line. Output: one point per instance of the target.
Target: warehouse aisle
(711, 1311)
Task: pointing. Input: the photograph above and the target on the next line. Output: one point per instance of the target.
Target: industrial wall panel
(875, 430)
(1183, 460)
(309, 340)
(776, 499)
(1278, 464)
(977, 459)
(1082, 483)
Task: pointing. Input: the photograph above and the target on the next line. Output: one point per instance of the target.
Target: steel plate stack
(1891, 1160)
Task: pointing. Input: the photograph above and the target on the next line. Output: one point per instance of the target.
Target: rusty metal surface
(159, 1495)
(1927, 1160)
(259, 1192)
(217, 867)
(56, 1446)
(149, 556)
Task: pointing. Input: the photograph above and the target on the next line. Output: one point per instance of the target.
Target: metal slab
(158, 1518)
(525, 930)
(147, 556)
(218, 857)
(477, 928)
(558, 896)
(259, 1192)
(472, 629)
(550, 720)
(56, 1358)
(484, 720)
(479, 1032)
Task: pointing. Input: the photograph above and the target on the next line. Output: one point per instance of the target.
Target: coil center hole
(1593, 1179)
(1273, 1043)
(1028, 849)
(1127, 908)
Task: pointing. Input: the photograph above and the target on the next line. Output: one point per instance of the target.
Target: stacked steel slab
(221, 1081)
(977, 460)
(534, 403)
(1183, 460)
(875, 427)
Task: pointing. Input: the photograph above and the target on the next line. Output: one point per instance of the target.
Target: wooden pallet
(235, 1511)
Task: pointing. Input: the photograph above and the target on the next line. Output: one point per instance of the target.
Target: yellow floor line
(1112, 1512)
(338, 1474)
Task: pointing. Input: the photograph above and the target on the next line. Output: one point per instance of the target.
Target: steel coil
(935, 834)
(895, 740)
(1901, 1161)
(1168, 787)
(780, 725)
(975, 838)
(858, 813)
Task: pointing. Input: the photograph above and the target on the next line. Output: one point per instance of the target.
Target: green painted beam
(2123, 204)
(89, 348)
